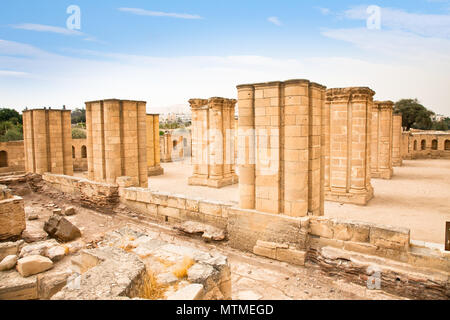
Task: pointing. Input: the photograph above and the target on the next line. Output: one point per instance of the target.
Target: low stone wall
(419, 144)
(101, 196)
(175, 208)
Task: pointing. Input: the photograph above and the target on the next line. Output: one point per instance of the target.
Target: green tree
(414, 114)
(78, 116)
(10, 115)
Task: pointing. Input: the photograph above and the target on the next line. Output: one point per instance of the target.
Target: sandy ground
(253, 277)
(418, 197)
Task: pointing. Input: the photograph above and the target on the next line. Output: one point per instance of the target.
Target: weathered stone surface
(61, 229)
(58, 212)
(208, 232)
(14, 287)
(34, 235)
(56, 253)
(70, 211)
(190, 292)
(33, 216)
(12, 218)
(38, 248)
(9, 248)
(49, 284)
(8, 263)
(115, 274)
(396, 277)
(32, 265)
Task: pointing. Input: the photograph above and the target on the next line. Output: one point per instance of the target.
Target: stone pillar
(213, 142)
(166, 147)
(48, 141)
(153, 148)
(381, 145)
(280, 147)
(117, 140)
(397, 129)
(348, 163)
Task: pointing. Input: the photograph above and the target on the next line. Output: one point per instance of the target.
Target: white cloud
(46, 28)
(164, 82)
(274, 20)
(324, 11)
(9, 73)
(143, 12)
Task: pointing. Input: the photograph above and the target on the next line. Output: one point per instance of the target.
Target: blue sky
(166, 52)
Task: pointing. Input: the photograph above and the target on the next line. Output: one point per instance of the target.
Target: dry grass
(181, 269)
(151, 289)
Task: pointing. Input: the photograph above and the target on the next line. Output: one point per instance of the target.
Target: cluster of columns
(48, 141)
(213, 142)
(280, 141)
(117, 140)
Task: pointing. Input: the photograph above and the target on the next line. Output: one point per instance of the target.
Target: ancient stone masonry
(12, 215)
(166, 147)
(117, 140)
(79, 155)
(153, 149)
(12, 156)
(382, 140)
(213, 142)
(397, 160)
(347, 146)
(48, 141)
(280, 142)
(420, 144)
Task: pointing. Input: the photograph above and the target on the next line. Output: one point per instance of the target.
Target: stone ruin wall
(79, 155)
(418, 144)
(279, 141)
(382, 140)
(213, 142)
(117, 140)
(12, 157)
(347, 145)
(48, 141)
(153, 148)
(397, 140)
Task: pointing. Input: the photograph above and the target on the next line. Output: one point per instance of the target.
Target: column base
(383, 174)
(213, 183)
(397, 163)
(155, 171)
(360, 198)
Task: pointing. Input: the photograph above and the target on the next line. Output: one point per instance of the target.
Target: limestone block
(49, 284)
(8, 263)
(32, 265)
(390, 238)
(12, 218)
(190, 292)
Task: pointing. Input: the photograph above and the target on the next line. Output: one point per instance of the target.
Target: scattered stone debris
(208, 232)
(32, 265)
(62, 229)
(8, 263)
(69, 211)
